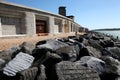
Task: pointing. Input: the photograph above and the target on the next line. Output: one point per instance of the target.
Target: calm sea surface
(114, 33)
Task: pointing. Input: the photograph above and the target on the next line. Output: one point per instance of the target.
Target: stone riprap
(92, 56)
(67, 70)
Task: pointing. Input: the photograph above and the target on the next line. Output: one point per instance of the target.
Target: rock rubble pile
(92, 56)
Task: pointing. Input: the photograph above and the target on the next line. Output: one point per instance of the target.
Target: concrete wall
(0, 28)
(22, 20)
(69, 25)
(8, 30)
(30, 23)
(10, 26)
(12, 22)
(58, 23)
(51, 25)
(56, 29)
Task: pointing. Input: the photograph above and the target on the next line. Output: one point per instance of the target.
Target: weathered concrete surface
(30, 23)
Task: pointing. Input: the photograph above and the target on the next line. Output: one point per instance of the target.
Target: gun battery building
(25, 21)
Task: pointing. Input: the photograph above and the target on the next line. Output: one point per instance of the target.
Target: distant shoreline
(106, 29)
(112, 32)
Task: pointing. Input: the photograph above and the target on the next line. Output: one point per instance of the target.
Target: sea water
(114, 33)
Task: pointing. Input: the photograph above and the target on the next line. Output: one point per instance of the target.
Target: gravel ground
(6, 43)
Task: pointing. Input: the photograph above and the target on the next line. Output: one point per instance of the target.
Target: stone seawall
(92, 56)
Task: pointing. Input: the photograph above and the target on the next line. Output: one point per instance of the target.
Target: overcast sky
(92, 14)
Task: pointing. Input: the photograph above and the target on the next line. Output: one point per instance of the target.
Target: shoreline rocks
(92, 56)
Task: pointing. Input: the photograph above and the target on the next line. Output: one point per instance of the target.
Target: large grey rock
(73, 71)
(115, 51)
(118, 78)
(27, 47)
(14, 51)
(80, 39)
(94, 52)
(41, 73)
(5, 55)
(50, 66)
(52, 44)
(28, 74)
(85, 42)
(107, 38)
(117, 44)
(95, 44)
(40, 55)
(95, 38)
(107, 43)
(87, 36)
(2, 63)
(112, 65)
(64, 39)
(21, 62)
(48, 59)
(52, 59)
(93, 63)
(67, 53)
(83, 52)
(43, 54)
(80, 45)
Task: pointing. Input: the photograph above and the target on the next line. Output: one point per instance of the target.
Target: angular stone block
(72, 71)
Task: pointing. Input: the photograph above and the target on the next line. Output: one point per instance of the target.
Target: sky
(92, 14)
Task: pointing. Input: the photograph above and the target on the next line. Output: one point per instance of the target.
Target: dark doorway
(41, 27)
